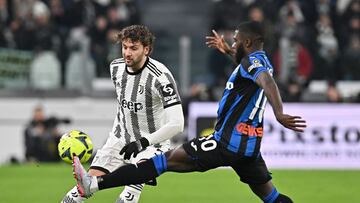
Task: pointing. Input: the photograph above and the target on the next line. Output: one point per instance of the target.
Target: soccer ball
(75, 143)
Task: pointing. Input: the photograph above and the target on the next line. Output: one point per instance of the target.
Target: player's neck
(138, 66)
(256, 47)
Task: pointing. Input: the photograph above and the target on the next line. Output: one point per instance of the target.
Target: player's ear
(248, 43)
(147, 50)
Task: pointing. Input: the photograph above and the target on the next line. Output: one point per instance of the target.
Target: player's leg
(147, 170)
(107, 159)
(174, 160)
(131, 193)
(73, 195)
(268, 193)
(254, 172)
(192, 156)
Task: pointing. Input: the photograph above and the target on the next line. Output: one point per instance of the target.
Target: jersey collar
(257, 52)
(138, 71)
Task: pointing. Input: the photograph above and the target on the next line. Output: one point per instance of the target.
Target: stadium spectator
(127, 12)
(45, 37)
(293, 7)
(224, 16)
(351, 60)
(349, 24)
(42, 137)
(99, 49)
(199, 92)
(327, 49)
(324, 27)
(293, 66)
(238, 132)
(148, 115)
(332, 93)
(256, 13)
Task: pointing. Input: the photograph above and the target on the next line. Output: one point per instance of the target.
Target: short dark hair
(136, 33)
(253, 29)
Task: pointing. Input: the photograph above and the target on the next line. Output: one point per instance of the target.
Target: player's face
(134, 53)
(238, 46)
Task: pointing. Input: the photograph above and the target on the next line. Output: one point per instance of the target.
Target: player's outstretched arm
(265, 81)
(218, 42)
(174, 125)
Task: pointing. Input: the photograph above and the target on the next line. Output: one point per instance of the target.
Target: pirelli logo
(249, 130)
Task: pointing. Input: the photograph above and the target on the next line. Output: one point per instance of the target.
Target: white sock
(73, 196)
(131, 194)
(94, 187)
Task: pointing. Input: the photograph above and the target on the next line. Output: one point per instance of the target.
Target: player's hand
(219, 43)
(295, 123)
(133, 148)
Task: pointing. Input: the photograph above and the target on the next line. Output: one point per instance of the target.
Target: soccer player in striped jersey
(238, 132)
(149, 111)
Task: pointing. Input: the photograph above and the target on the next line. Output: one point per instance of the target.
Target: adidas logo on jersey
(132, 106)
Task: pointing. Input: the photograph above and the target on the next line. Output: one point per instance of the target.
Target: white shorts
(108, 158)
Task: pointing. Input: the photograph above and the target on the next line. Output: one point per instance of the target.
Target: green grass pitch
(44, 183)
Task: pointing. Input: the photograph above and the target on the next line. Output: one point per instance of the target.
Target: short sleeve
(251, 68)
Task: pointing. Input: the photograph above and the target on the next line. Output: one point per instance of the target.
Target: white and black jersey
(142, 97)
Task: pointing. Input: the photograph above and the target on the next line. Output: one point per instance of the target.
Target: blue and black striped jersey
(239, 126)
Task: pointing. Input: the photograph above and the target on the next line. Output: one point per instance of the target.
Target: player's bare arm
(218, 42)
(265, 81)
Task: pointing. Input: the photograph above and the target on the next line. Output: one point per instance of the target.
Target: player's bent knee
(141, 161)
(160, 163)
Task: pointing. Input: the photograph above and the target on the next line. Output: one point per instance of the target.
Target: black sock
(134, 174)
(276, 197)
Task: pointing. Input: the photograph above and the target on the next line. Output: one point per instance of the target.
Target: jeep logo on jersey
(132, 106)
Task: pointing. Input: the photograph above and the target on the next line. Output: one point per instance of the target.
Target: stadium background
(55, 53)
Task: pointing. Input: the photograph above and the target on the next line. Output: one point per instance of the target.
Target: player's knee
(160, 163)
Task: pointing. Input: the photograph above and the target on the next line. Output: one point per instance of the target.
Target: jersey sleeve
(251, 68)
(167, 90)
(114, 66)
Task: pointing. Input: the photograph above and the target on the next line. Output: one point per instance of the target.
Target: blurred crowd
(306, 40)
(74, 39)
(67, 27)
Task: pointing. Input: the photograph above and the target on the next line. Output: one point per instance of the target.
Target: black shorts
(208, 154)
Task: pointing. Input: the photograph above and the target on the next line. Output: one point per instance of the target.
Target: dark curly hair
(253, 29)
(137, 33)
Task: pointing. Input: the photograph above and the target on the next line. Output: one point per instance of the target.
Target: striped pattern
(154, 69)
(243, 102)
(133, 115)
(140, 100)
(149, 102)
(138, 187)
(117, 61)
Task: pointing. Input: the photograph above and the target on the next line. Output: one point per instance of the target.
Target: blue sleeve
(251, 68)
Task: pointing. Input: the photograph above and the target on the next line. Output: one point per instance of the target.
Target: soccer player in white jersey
(149, 111)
